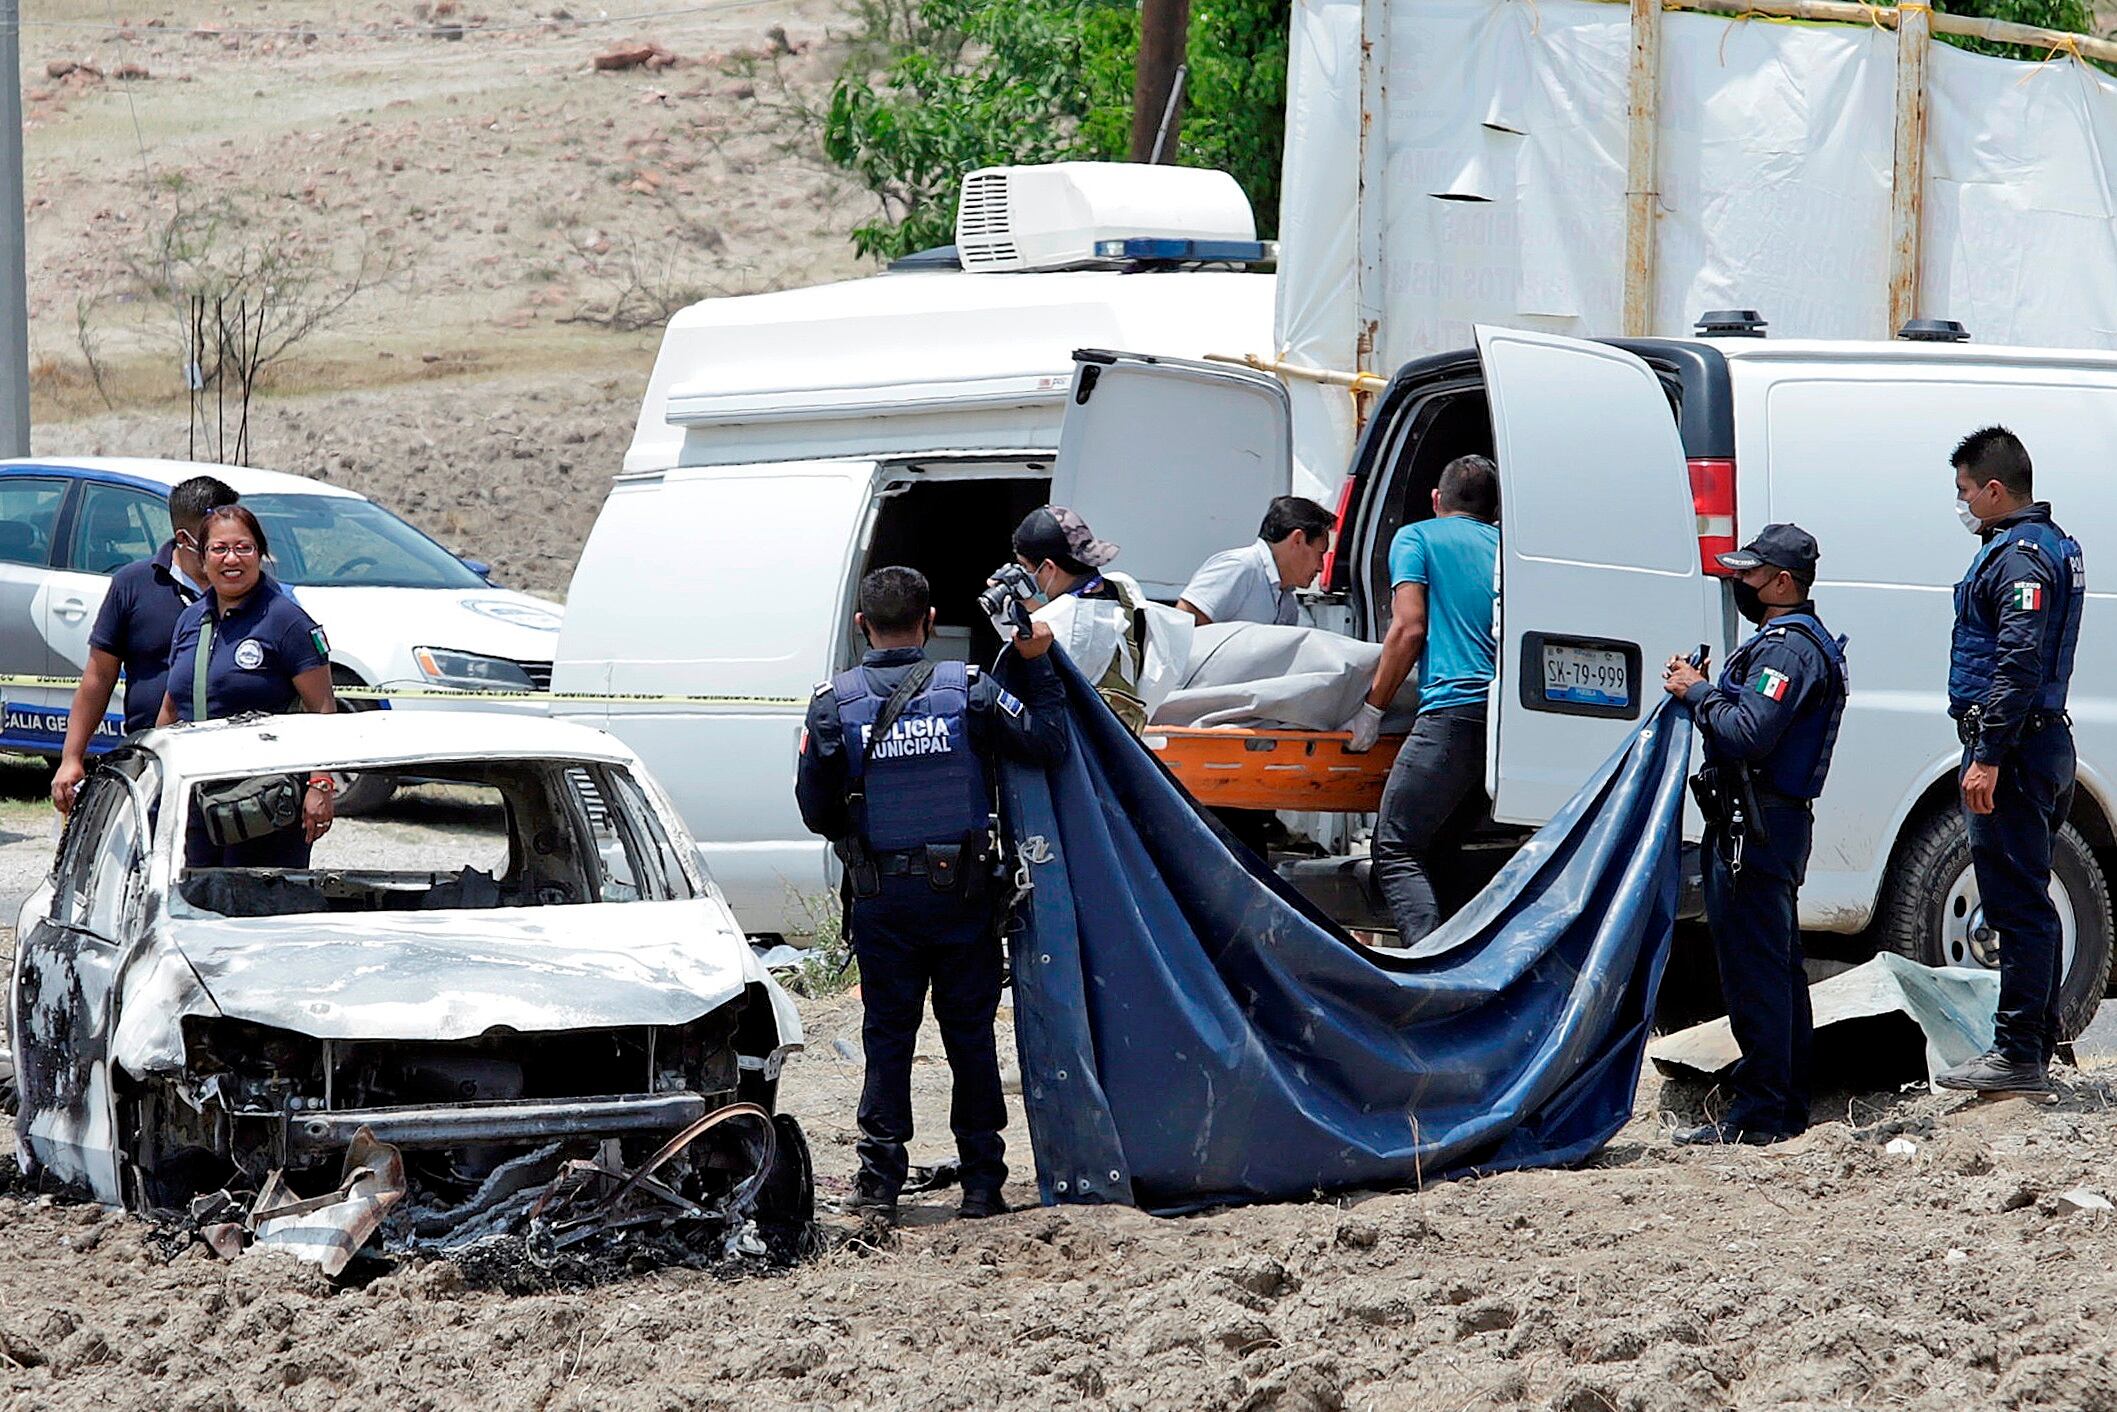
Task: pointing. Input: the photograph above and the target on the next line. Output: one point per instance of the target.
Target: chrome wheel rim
(1968, 940)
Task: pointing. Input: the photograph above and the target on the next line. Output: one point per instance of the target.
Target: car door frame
(75, 1025)
(1212, 519)
(112, 729)
(37, 702)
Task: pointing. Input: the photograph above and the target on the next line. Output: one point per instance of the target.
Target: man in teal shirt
(1444, 580)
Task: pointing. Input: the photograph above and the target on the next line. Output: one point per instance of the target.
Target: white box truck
(790, 442)
(1625, 466)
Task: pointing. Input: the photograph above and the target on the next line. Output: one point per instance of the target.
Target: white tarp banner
(1501, 197)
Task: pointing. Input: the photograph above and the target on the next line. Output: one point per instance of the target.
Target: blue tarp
(1194, 1033)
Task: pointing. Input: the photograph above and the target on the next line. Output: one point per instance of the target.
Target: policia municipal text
(895, 771)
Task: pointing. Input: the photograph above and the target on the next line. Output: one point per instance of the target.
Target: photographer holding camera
(1098, 614)
(895, 770)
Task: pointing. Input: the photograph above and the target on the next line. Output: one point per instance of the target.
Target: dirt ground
(1827, 1272)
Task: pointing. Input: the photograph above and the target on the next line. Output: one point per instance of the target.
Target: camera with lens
(1006, 600)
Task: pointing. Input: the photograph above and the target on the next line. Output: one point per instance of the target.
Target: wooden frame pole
(1907, 181)
(1642, 190)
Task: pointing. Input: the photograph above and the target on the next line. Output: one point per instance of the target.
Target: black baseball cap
(1782, 547)
(1056, 533)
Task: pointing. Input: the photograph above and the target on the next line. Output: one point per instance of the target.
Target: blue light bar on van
(1170, 249)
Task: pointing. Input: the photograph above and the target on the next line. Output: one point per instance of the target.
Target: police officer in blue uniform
(1769, 726)
(247, 646)
(132, 632)
(2017, 622)
(895, 771)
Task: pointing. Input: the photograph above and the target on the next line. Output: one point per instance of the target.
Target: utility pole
(1164, 26)
(14, 271)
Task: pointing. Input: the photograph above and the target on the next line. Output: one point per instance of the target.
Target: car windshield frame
(290, 518)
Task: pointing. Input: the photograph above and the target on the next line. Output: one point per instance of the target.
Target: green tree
(2071, 16)
(935, 88)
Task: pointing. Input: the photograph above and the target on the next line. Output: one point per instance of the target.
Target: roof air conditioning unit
(1054, 217)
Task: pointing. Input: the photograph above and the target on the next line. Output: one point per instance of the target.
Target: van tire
(1931, 869)
(363, 794)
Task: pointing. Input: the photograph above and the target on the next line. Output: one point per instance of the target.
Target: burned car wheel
(1932, 912)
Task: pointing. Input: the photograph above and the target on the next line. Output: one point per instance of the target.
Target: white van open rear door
(1599, 571)
(1174, 460)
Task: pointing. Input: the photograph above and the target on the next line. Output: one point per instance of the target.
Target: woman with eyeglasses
(245, 646)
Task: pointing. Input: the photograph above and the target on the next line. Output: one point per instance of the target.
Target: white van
(1625, 466)
(790, 442)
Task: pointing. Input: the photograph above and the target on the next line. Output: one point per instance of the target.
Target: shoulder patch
(1773, 684)
(320, 642)
(2025, 596)
(821, 688)
(1007, 701)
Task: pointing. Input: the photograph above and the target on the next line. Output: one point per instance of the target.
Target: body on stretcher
(1239, 767)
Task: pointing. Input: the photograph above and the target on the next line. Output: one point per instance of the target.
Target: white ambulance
(790, 442)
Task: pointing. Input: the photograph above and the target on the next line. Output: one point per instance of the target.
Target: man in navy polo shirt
(133, 630)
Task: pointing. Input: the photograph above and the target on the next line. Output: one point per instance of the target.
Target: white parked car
(400, 610)
(546, 965)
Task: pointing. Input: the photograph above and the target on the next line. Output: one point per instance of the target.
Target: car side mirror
(477, 566)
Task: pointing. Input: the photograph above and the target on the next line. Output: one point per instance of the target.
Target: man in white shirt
(1256, 583)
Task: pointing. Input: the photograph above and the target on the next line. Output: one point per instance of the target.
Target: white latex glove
(1366, 728)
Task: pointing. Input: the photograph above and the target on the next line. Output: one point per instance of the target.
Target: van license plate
(1585, 676)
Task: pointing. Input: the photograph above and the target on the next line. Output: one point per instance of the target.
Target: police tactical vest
(922, 783)
(1800, 762)
(1974, 648)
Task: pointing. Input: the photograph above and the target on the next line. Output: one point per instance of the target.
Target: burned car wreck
(539, 1002)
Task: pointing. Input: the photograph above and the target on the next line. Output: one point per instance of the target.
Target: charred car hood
(449, 975)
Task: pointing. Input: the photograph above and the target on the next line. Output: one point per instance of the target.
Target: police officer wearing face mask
(895, 770)
(1769, 726)
(2017, 620)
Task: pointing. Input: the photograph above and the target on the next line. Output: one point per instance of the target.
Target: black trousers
(2010, 849)
(1754, 916)
(1434, 798)
(910, 939)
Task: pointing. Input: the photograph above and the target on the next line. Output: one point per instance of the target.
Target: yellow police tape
(372, 693)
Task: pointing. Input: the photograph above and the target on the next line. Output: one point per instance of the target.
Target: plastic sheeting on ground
(1496, 191)
(1951, 1006)
(1192, 1033)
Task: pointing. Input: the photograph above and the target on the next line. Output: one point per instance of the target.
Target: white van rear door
(1599, 574)
(1174, 460)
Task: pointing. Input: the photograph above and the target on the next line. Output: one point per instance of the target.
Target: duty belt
(2044, 720)
(911, 863)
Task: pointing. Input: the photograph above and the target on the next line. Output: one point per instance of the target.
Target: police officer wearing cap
(1769, 726)
(2017, 621)
(896, 771)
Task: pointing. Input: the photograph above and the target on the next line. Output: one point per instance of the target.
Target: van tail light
(1329, 577)
(1713, 499)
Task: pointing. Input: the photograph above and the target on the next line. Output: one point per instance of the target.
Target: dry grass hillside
(486, 229)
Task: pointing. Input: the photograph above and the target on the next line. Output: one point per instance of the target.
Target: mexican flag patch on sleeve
(322, 643)
(2025, 597)
(1773, 684)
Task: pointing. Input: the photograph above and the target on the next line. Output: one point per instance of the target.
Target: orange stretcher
(1305, 771)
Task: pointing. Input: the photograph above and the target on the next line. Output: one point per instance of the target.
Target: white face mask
(1968, 516)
